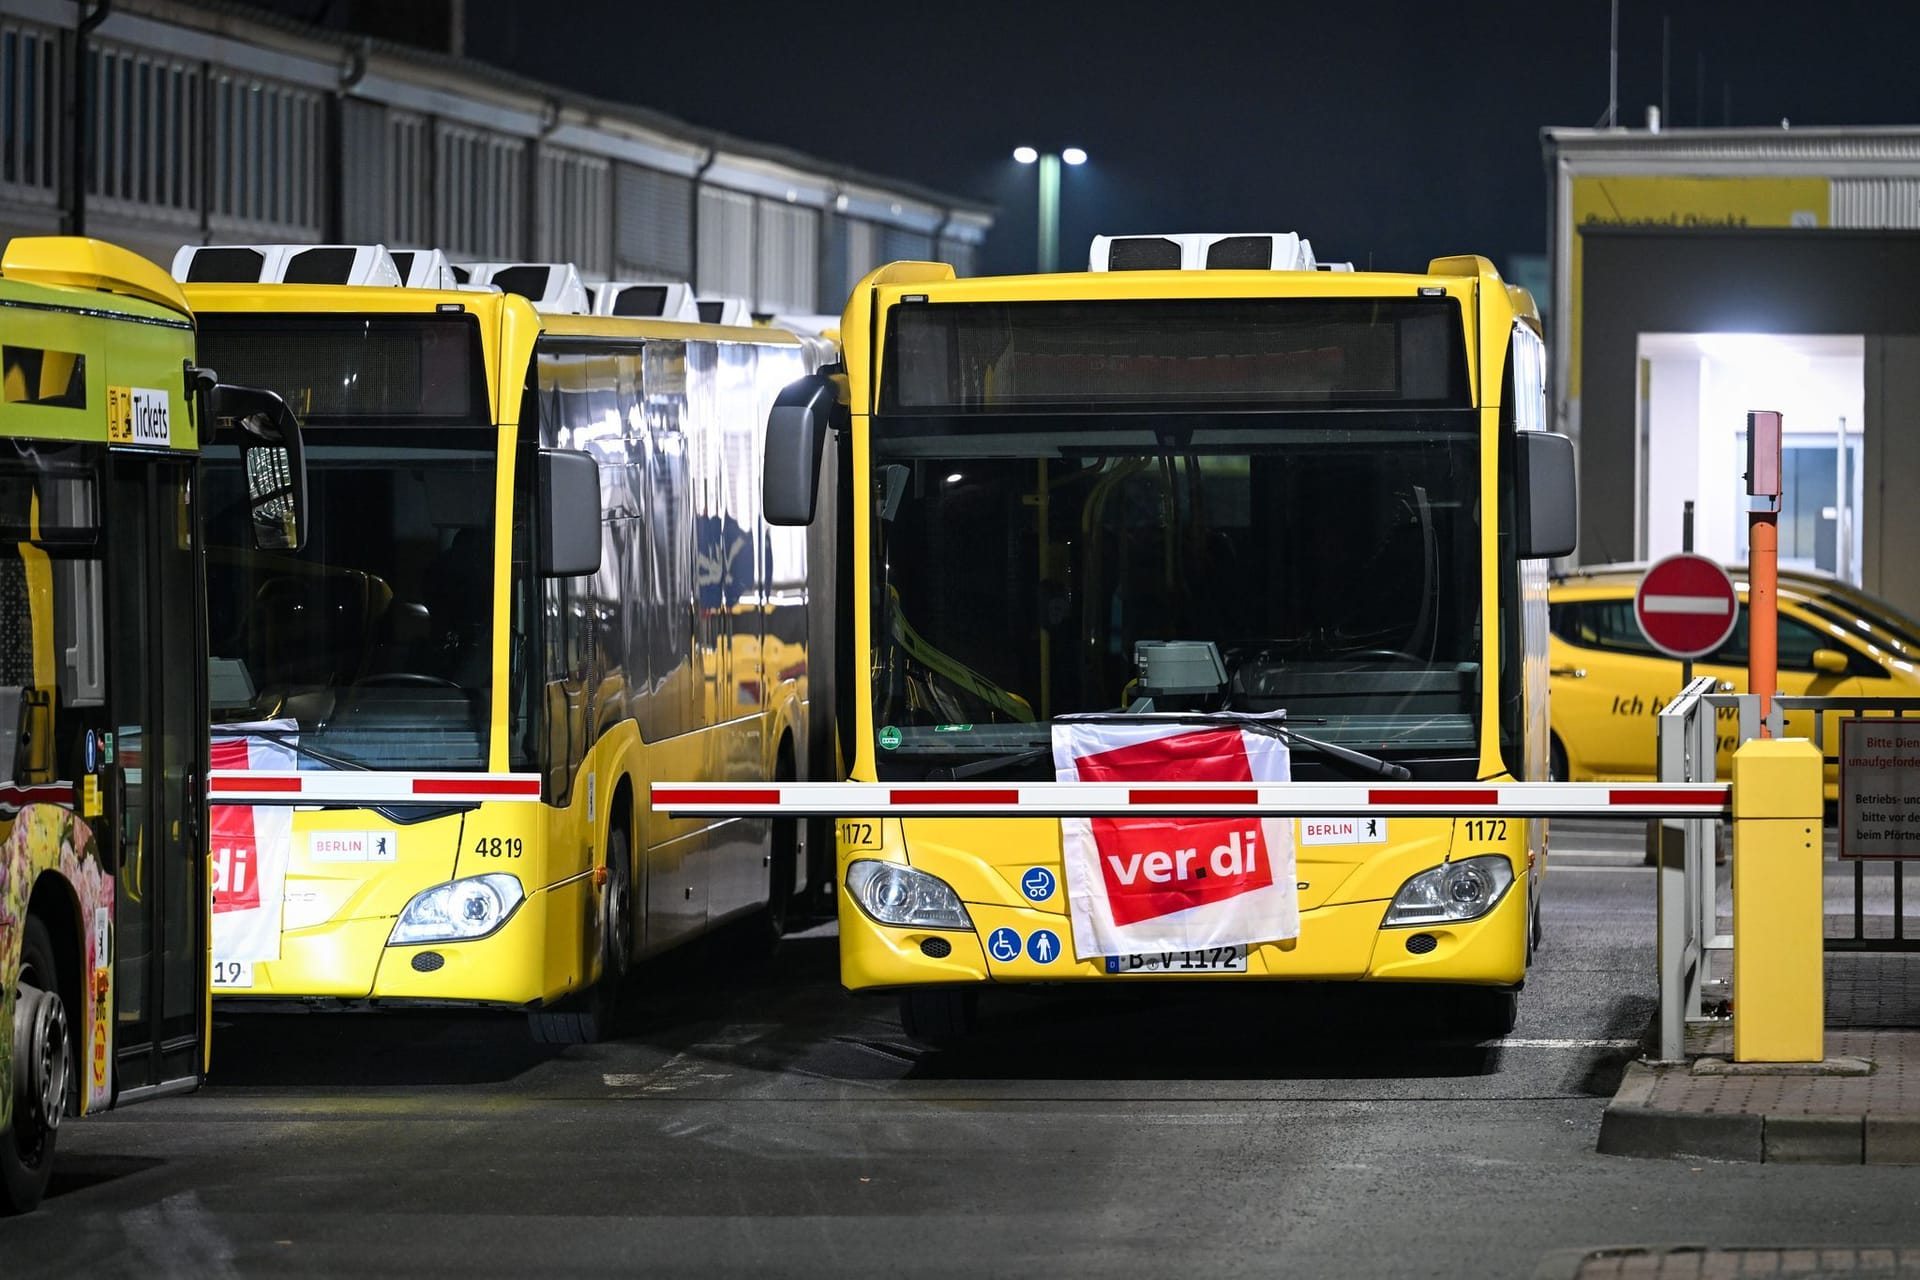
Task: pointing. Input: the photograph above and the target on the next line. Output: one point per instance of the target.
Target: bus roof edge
(83, 263)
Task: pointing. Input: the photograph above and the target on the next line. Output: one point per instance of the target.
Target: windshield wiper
(291, 741)
(1262, 725)
(1254, 724)
(992, 764)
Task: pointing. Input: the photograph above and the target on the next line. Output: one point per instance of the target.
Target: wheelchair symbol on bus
(1003, 944)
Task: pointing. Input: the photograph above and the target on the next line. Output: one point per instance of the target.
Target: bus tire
(939, 1017)
(42, 1075)
(593, 1015)
(1557, 760)
(1484, 1013)
(783, 847)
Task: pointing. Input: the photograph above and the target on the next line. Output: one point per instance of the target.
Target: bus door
(153, 771)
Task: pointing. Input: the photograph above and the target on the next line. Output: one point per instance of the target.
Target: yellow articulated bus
(536, 577)
(1311, 506)
(103, 709)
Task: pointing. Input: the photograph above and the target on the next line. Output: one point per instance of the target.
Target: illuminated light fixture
(955, 478)
(1025, 155)
(1074, 155)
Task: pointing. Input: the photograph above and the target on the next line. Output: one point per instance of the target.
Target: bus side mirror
(1547, 518)
(797, 428)
(569, 514)
(272, 460)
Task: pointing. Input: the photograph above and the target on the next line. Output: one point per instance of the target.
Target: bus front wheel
(939, 1017)
(591, 1016)
(1484, 1013)
(42, 1075)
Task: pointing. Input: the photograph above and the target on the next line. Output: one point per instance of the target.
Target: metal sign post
(1763, 559)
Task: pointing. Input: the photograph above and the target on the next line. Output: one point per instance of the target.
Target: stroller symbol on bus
(1037, 884)
(1003, 944)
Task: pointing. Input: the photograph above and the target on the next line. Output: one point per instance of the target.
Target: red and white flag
(251, 847)
(1174, 884)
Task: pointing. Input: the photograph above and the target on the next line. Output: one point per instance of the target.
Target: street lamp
(1050, 197)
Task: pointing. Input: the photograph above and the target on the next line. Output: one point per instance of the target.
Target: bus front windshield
(376, 637)
(1335, 565)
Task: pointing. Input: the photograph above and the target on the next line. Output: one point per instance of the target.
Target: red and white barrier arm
(366, 788)
(1177, 799)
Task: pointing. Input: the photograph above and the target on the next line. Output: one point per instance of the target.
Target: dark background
(1388, 131)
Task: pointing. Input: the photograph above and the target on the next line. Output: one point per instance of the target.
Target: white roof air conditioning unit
(553, 287)
(1203, 251)
(362, 264)
(648, 299)
(716, 308)
(425, 269)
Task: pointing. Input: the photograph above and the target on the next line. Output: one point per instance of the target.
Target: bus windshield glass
(1336, 567)
(1295, 480)
(377, 636)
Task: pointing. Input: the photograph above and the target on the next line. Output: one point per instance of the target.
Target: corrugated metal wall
(653, 224)
(1876, 202)
(576, 205)
(726, 228)
(787, 253)
(30, 134)
(257, 144)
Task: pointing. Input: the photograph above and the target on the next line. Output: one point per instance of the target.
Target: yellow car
(1608, 683)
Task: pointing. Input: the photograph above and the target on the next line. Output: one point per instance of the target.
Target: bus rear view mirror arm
(797, 428)
(1547, 518)
(569, 514)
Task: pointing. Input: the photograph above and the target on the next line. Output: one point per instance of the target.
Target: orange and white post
(1763, 559)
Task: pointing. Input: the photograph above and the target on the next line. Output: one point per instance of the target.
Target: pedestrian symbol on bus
(1043, 947)
(1037, 884)
(1003, 944)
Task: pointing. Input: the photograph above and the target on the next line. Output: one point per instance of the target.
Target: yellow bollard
(1778, 903)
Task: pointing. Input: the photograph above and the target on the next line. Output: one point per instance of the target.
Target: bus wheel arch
(1557, 759)
(44, 1064)
(592, 1015)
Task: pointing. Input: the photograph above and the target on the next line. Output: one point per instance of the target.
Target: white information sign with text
(1880, 788)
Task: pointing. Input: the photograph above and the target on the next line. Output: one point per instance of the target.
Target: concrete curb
(1631, 1126)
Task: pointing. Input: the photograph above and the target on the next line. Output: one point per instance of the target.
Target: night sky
(1387, 131)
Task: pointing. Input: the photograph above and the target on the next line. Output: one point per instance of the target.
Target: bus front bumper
(349, 963)
(1337, 942)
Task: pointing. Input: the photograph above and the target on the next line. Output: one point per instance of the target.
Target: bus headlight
(896, 894)
(458, 911)
(1463, 890)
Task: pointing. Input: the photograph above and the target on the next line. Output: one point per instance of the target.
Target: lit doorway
(1693, 396)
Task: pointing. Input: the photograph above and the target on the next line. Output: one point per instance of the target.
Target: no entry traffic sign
(1686, 606)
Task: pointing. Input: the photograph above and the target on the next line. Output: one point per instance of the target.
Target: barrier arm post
(1779, 907)
(1764, 429)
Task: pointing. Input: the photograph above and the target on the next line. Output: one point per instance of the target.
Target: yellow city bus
(1332, 484)
(103, 711)
(536, 577)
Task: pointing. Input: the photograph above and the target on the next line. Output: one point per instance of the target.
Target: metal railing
(1688, 939)
(1894, 708)
(1694, 956)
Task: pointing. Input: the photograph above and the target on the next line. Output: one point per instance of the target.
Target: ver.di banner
(251, 847)
(1174, 884)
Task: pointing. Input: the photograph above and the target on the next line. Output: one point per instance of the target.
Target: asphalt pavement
(758, 1120)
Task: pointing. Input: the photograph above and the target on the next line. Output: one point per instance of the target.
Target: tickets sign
(1171, 884)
